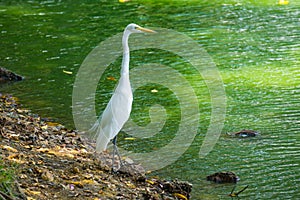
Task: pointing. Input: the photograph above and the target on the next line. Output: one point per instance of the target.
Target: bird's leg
(115, 151)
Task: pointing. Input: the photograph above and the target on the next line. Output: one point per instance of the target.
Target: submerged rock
(246, 133)
(6, 76)
(223, 177)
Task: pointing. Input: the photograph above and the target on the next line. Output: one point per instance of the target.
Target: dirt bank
(51, 162)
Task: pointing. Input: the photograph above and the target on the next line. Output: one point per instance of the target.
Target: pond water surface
(255, 47)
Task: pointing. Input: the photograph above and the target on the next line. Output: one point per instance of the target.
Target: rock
(6, 76)
(246, 133)
(223, 177)
(47, 175)
(137, 172)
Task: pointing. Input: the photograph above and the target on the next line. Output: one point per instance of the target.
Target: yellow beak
(145, 30)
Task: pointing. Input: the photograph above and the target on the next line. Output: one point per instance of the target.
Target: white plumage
(118, 109)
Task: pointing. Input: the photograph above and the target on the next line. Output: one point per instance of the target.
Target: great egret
(118, 108)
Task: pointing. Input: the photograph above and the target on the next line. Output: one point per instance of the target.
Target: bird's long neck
(125, 61)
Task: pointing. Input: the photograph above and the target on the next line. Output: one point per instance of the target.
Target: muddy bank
(7, 76)
(52, 162)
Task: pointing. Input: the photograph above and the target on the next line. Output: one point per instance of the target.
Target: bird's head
(134, 28)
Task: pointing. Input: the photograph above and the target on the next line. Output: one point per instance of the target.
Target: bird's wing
(113, 118)
(104, 129)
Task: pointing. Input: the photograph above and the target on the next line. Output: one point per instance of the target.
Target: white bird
(118, 109)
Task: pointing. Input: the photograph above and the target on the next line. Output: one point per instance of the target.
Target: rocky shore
(48, 161)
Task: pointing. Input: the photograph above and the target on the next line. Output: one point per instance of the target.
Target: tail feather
(102, 141)
(92, 133)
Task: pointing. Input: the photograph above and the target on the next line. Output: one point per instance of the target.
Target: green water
(254, 44)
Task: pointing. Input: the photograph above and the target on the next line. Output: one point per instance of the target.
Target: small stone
(47, 176)
(76, 170)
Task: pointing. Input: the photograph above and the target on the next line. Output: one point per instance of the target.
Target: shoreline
(49, 160)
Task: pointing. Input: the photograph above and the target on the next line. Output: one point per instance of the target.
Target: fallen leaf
(130, 185)
(180, 196)
(23, 176)
(150, 182)
(30, 198)
(129, 138)
(27, 146)
(283, 2)
(16, 158)
(45, 127)
(83, 151)
(43, 150)
(60, 152)
(9, 148)
(67, 72)
(72, 134)
(88, 182)
(14, 136)
(123, 1)
(19, 110)
(53, 124)
(111, 78)
(33, 192)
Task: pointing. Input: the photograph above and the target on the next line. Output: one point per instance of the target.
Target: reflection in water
(254, 45)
